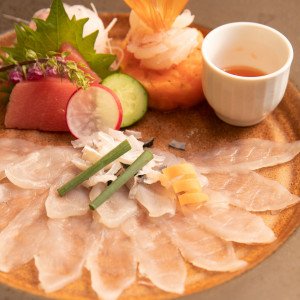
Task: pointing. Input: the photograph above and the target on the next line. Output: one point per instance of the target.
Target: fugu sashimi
(114, 137)
(39, 169)
(21, 238)
(159, 260)
(252, 191)
(103, 175)
(9, 191)
(12, 150)
(62, 253)
(156, 199)
(231, 223)
(112, 263)
(246, 154)
(74, 203)
(104, 142)
(9, 210)
(115, 210)
(169, 158)
(135, 151)
(12, 201)
(39, 104)
(198, 246)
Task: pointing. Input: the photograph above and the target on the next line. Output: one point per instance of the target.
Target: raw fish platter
(117, 179)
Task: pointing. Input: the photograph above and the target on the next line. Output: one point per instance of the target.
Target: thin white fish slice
(136, 134)
(12, 200)
(90, 140)
(74, 203)
(159, 260)
(9, 191)
(8, 210)
(169, 158)
(136, 150)
(107, 141)
(252, 191)
(115, 210)
(17, 146)
(231, 223)
(61, 255)
(12, 150)
(20, 239)
(111, 262)
(151, 171)
(246, 154)
(198, 246)
(156, 199)
(104, 175)
(38, 169)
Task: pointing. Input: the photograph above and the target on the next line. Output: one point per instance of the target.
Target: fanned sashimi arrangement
(108, 212)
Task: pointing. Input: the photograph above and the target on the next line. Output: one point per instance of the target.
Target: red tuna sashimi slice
(39, 104)
(78, 58)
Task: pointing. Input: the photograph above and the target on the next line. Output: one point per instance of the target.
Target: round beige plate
(200, 129)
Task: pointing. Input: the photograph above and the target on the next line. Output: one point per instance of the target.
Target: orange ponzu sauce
(244, 71)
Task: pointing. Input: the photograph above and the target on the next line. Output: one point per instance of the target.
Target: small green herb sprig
(51, 33)
(54, 65)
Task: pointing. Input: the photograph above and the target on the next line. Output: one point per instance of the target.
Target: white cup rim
(286, 65)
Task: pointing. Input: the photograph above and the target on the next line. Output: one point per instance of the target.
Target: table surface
(277, 277)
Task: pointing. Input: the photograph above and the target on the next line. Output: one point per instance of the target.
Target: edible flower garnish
(36, 68)
(185, 183)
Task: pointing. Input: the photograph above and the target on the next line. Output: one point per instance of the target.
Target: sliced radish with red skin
(96, 108)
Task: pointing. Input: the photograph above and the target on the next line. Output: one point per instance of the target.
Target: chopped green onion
(97, 166)
(140, 162)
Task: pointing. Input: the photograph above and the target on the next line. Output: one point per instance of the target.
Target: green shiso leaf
(51, 33)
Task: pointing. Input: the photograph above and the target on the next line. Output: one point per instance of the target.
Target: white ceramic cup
(238, 100)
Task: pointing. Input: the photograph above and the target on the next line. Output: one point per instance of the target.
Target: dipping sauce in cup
(245, 71)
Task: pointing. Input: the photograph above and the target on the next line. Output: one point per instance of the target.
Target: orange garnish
(192, 198)
(185, 183)
(179, 170)
(159, 15)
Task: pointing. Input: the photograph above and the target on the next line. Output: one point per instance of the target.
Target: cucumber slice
(132, 95)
